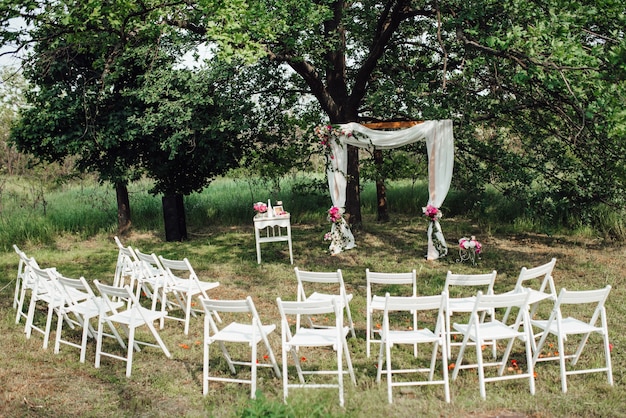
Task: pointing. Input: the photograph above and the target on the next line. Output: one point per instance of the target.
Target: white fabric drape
(343, 237)
(439, 139)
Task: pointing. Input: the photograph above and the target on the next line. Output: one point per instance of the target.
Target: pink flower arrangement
(432, 212)
(334, 214)
(470, 243)
(327, 133)
(339, 234)
(260, 207)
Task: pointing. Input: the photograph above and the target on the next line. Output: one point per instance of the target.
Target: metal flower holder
(469, 254)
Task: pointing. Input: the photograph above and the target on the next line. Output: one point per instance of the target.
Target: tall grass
(86, 208)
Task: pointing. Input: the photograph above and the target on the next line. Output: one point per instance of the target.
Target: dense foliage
(535, 89)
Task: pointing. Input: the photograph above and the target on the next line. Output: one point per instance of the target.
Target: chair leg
(205, 369)
(349, 314)
(607, 356)
(253, 372)
(157, 337)
(270, 353)
(368, 333)
(30, 317)
(187, 313)
(389, 374)
(530, 365)
(349, 363)
(98, 344)
(129, 355)
(579, 350)
(285, 376)
(20, 306)
(481, 370)
(505, 356)
(433, 360)
(444, 370)
(57, 338)
(85, 337)
(380, 361)
(46, 335)
(296, 359)
(227, 357)
(163, 306)
(340, 373)
(459, 359)
(18, 286)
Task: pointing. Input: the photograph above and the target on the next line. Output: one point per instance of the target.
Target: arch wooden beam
(392, 125)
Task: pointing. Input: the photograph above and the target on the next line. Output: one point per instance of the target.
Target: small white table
(276, 229)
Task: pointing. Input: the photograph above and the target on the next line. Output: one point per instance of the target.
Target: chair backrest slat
(306, 308)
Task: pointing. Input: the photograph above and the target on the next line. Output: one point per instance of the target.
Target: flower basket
(469, 250)
(261, 209)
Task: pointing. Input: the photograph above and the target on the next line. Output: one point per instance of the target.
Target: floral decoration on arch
(434, 229)
(327, 134)
(338, 235)
(334, 214)
(432, 212)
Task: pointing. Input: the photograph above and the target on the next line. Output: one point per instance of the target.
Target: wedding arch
(439, 139)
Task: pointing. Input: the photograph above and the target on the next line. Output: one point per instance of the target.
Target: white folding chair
(81, 310)
(397, 333)
(329, 285)
(293, 343)
(126, 266)
(151, 276)
(24, 283)
(185, 283)
(482, 332)
(461, 290)
(130, 317)
(156, 283)
(579, 322)
(381, 283)
(21, 267)
(528, 278)
(245, 328)
(46, 292)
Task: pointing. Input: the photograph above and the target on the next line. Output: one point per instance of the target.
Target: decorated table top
(262, 221)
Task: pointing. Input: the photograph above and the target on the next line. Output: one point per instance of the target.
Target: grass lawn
(39, 383)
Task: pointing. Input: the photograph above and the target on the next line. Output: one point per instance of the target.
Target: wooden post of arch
(381, 190)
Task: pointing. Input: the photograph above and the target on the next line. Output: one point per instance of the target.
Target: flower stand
(469, 250)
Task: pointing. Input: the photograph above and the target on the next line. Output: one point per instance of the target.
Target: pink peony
(334, 214)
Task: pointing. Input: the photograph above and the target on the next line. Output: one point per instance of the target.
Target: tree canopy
(535, 89)
(109, 89)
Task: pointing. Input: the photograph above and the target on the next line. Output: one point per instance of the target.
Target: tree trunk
(381, 190)
(174, 218)
(353, 189)
(123, 209)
